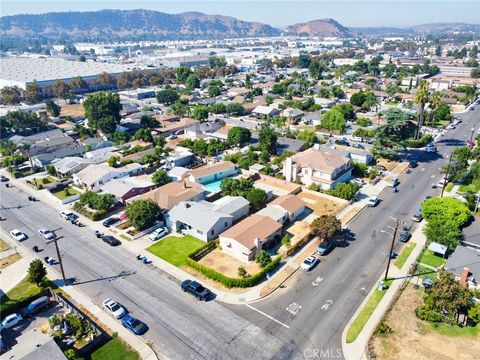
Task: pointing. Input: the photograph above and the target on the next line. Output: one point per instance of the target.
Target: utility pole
(391, 249)
(59, 260)
(446, 175)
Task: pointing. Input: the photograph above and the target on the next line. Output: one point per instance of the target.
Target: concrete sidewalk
(357, 349)
(11, 277)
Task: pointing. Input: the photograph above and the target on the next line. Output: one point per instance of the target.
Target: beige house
(314, 166)
(169, 195)
(247, 238)
(293, 205)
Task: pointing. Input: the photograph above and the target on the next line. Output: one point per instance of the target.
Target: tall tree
(61, 90)
(422, 97)
(103, 111)
(267, 139)
(33, 94)
(11, 95)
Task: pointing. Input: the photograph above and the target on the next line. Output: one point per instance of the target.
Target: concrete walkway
(356, 350)
(17, 271)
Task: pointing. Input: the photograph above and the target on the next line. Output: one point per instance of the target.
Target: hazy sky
(280, 12)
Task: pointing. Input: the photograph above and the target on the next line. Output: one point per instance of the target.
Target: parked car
(3, 178)
(114, 308)
(110, 240)
(450, 126)
(357, 138)
(36, 305)
(405, 235)
(68, 215)
(417, 217)
(442, 182)
(358, 146)
(358, 181)
(325, 247)
(47, 234)
(158, 233)
(413, 164)
(430, 148)
(110, 221)
(10, 321)
(373, 201)
(18, 235)
(427, 282)
(342, 142)
(134, 325)
(196, 289)
(309, 263)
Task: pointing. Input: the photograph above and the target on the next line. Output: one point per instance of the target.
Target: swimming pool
(213, 187)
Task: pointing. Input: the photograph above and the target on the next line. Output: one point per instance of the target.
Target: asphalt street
(180, 326)
(312, 309)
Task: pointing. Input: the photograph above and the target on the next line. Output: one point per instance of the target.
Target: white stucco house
(94, 176)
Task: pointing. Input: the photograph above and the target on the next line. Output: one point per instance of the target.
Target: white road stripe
(268, 316)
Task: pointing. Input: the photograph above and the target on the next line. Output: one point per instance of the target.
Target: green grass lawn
(455, 330)
(362, 318)
(175, 249)
(45, 182)
(61, 195)
(474, 186)
(449, 187)
(115, 349)
(392, 103)
(407, 250)
(23, 291)
(423, 272)
(430, 258)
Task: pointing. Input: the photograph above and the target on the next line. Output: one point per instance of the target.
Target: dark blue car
(134, 325)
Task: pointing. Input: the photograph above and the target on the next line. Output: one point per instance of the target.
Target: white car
(10, 321)
(309, 263)
(114, 308)
(158, 233)
(430, 148)
(450, 126)
(373, 201)
(18, 235)
(47, 234)
(442, 182)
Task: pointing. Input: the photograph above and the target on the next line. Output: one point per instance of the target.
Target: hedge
(423, 141)
(92, 215)
(227, 281)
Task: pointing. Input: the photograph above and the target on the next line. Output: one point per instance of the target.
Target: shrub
(263, 258)
(364, 133)
(364, 122)
(45, 181)
(242, 272)
(383, 328)
(344, 191)
(423, 313)
(286, 241)
(229, 282)
(423, 141)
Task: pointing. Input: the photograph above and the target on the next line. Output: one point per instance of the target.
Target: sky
(280, 13)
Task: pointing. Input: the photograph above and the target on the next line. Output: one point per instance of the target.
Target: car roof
(310, 258)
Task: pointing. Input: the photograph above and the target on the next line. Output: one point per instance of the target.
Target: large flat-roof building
(21, 71)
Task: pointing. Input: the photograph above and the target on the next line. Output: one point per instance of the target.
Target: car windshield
(115, 307)
(137, 325)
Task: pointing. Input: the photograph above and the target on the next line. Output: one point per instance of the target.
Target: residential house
(206, 220)
(45, 159)
(100, 155)
(359, 155)
(127, 187)
(292, 204)
(169, 195)
(246, 239)
(275, 213)
(173, 125)
(211, 173)
(326, 169)
(70, 165)
(179, 157)
(313, 118)
(265, 111)
(293, 114)
(464, 263)
(94, 176)
(324, 103)
(44, 142)
(177, 173)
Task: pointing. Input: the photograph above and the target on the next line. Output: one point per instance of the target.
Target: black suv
(195, 289)
(405, 235)
(342, 142)
(110, 240)
(110, 221)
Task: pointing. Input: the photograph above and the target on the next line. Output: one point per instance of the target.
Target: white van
(442, 182)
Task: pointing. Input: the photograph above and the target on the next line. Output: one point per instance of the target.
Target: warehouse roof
(42, 69)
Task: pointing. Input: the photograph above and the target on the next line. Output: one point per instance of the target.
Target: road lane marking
(293, 308)
(317, 281)
(268, 316)
(327, 304)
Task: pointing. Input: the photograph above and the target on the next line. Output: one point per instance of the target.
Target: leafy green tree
(267, 139)
(286, 240)
(239, 135)
(36, 272)
(11, 95)
(120, 137)
(236, 187)
(346, 109)
(446, 208)
(51, 170)
(182, 73)
(474, 313)
(143, 214)
(325, 226)
(214, 90)
(22, 122)
(52, 108)
(304, 60)
(60, 89)
(148, 122)
(257, 198)
(113, 161)
(241, 272)
(160, 178)
(217, 61)
(338, 92)
(192, 82)
(445, 232)
(167, 96)
(200, 112)
(475, 73)
(218, 108)
(33, 93)
(234, 109)
(358, 99)
(102, 202)
(315, 69)
(344, 191)
(333, 120)
(103, 111)
(144, 134)
(263, 258)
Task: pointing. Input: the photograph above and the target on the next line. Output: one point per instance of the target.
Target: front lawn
(115, 349)
(63, 194)
(407, 250)
(45, 182)
(19, 294)
(423, 272)
(430, 258)
(176, 249)
(455, 330)
(362, 318)
(473, 187)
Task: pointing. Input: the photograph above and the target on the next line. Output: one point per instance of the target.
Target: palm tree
(435, 102)
(421, 98)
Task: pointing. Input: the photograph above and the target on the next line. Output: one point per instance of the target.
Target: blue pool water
(213, 187)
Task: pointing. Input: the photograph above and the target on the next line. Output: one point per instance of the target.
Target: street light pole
(391, 249)
(60, 261)
(446, 175)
